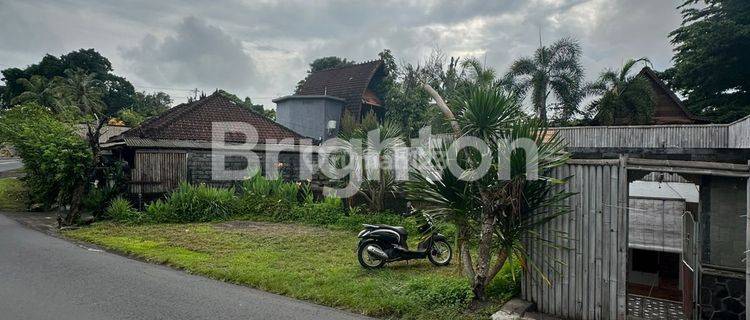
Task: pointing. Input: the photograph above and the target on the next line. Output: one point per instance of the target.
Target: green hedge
(255, 199)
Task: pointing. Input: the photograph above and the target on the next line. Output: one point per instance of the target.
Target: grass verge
(305, 262)
(12, 195)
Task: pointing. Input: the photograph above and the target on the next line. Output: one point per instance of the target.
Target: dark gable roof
(193, 121)
(348, 83)
(666, 112)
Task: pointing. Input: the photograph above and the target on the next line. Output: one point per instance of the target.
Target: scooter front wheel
(366, 259)
(440, 254)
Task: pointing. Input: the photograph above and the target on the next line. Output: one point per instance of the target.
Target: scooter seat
(399, 230)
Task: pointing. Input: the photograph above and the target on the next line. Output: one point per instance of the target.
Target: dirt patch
(254, 227)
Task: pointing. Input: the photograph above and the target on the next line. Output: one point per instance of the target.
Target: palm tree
(477, 73)
(81, 90)
(84, 92)
(555, 70)
(496, 214)
(38, 90)
(624, 97)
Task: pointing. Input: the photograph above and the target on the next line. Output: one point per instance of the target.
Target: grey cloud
(198, 54)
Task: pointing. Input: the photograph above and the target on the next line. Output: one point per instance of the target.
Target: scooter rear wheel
(440, 253)
(366, 260)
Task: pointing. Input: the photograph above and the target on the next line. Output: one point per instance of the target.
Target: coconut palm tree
(497, 215)
(624, 96)
(38, 90)
(81, 90)
(552, 71)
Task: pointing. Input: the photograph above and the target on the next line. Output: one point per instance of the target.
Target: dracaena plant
(495, 216)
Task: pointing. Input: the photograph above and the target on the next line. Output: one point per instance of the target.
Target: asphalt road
(10, 164)
(43, 277)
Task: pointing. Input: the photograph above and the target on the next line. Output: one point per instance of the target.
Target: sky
(262, 48)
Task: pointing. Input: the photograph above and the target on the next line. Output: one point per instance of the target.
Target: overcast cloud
(261, 48)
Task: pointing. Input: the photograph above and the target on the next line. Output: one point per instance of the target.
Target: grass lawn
(12, 195)
(311, 263)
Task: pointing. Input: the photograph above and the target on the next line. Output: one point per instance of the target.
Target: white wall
(665, 190)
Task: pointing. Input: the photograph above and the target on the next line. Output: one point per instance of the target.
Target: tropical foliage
(496, 215)
(625, 98)
(56, 160)
(711, 61)
(553, 71)
(374, 157)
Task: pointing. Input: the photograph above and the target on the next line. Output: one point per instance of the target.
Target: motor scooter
(380, 244)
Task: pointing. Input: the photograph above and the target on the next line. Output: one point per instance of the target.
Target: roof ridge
(349, 66)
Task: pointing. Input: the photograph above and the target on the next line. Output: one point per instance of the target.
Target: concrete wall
(723, 202)
(309, 116)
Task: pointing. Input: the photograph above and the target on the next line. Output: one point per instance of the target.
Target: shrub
(328, 212)
(158, 211)
(121, 210)
(55, 159)
(259, 186)
(201, 203)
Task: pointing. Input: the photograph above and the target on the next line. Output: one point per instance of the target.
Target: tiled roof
(348, 83)
(193, 121)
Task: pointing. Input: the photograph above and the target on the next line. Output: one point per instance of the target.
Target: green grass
(305, 262)
(12, 195)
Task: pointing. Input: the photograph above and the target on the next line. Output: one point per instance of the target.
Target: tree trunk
(483, 255)
(76, 198)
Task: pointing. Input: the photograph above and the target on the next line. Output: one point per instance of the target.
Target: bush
(189, 203)
(121, 210)
(55, 159)
(328, 212)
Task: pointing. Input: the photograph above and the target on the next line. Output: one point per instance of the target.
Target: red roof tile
(193, 121)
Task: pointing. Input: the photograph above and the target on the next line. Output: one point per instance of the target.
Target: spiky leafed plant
(555, 70)
(39, 90)
(379, 143)
(497, 215)
(623, 96)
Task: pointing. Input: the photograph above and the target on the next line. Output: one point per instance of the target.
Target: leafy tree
(624, 97)
(711, 61)
(324, 63)
(150, 104)
(329, 63)
(555, 70)
(248, 104)
(56, 160)
(38, 90)
(131, 117)
(117, 91)
(496, 215)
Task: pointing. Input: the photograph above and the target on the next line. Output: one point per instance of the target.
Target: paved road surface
(10, 164)
(42, 277)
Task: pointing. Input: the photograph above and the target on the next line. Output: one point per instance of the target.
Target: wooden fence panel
(158, 172)
(588, 278)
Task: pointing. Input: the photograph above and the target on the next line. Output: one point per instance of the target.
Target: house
(668, 107)
(179, 145)
(599, 274)
(315, 110)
